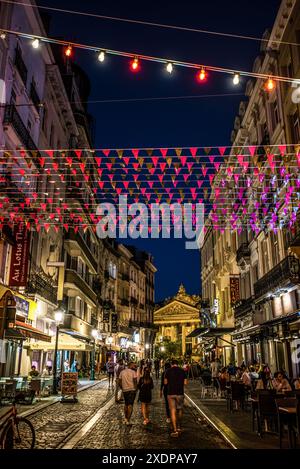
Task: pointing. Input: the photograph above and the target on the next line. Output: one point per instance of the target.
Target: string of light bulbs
(152, 24)
(136, 60)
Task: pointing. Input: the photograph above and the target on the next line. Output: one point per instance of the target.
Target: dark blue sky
(175, 123)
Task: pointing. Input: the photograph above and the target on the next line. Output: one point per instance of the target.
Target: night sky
(174, 123)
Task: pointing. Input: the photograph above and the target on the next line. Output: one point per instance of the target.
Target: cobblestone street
(57, 422)
(109, 432)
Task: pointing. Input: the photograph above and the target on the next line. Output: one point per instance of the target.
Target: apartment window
(274, 248)
(89, 314)
(72, 305)
(295, 127)
(274, 114)
(79, 307)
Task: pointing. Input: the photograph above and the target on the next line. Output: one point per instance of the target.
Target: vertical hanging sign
(234, 290)
(19, 257)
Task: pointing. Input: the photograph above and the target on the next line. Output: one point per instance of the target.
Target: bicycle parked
(16, 432)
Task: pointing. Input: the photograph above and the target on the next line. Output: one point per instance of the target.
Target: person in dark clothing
(175, 379)
(156, 367)
(164, 391)
(145, 385)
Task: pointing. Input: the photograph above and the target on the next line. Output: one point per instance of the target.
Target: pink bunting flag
(50, 153)
(135, 166)
(152, 171)
(126, 160)
(160, 177)
(199, 183)
(98, 160)
(126, 184)
(135, 152)
(217, 165)
(211, 178)
(101, 184)
(252, 149)
(106, 152)
(109, 166)
(162, 166)
(183, 160)
(211, 159)
(236, 178)
(185, 177)
(282, 149)
(135, 177)
(150, 183)
(222, 150)
(193, 151)
(240, 159)
(155, 160)
(204, 170)
(78, 153)
(164, 152)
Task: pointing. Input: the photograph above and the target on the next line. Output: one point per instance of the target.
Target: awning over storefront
(29, 331)
(294, 316)
(14, 334)
(210, 331)
(65, 342)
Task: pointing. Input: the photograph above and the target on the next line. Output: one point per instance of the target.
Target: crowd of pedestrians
(134, 382)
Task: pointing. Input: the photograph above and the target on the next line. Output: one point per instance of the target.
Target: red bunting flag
(78, 153)
(135, 152)
(222, 150)
(164, 152)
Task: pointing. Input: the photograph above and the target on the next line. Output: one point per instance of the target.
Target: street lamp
(59, 318)
(110, 341)
(94, 334)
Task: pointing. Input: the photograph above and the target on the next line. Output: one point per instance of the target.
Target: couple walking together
(173, 381)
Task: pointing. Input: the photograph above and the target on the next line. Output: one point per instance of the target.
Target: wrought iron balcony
(42, 284)
(133, 301)
(243, 307)
(124, 302)
(286, 273)
(13, 118)
(243, 254)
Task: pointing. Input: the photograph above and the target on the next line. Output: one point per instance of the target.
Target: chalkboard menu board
(69, 384)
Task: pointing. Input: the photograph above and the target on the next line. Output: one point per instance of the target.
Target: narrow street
(63, 425)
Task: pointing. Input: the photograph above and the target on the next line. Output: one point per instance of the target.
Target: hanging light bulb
(270, 85)
(236, 79)
(135, 65)
(2, 35)
(68, 51)
(35, 43)
(101, 56)
(169, 67)
(201, 74)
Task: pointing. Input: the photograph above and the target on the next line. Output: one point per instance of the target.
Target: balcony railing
(42, 284)
(283, 274)
(20, 66)
(76, 237)
(12, 117)
(124, 302)
(73, 277)
(243, 252)
(133, 300)
(243, 307)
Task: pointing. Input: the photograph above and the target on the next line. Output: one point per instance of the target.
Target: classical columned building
(176, 318)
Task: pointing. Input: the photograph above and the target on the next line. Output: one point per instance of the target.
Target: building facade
(262, 263)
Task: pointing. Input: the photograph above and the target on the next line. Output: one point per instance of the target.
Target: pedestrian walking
(128, 384)
(145, 386)
(156, 367)
(119, 367)
(110, 368)
(215, 367)
(175, 379)
(164, 391)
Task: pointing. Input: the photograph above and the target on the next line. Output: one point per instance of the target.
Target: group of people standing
(133, 379)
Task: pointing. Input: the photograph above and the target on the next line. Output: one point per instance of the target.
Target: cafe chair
(286, 420)
(266, 410)
(236, 394)
(207, 390)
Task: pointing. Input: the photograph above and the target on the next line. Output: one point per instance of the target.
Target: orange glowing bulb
(270, 84)
(201, 75)
(68, 51)
(135, 65)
